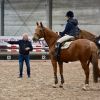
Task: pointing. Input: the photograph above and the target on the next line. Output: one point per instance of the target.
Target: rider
(71, 30)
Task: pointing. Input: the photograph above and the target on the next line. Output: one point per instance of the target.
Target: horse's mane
(52, 32)
(88, 33)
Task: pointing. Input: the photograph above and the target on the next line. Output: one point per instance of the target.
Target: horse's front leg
(54, 63)
(61, 73)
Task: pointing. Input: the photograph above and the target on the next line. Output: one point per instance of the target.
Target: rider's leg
(65, 38)
(58, 45)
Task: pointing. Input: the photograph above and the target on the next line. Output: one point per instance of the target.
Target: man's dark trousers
(23, 58)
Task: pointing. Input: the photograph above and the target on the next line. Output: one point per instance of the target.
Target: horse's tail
(94, 61)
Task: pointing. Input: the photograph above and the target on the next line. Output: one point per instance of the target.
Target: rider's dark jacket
(71, 28)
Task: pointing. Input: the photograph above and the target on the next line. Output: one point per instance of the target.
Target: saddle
(66, 44)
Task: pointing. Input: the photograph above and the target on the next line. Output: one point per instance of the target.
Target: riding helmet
(70, 14)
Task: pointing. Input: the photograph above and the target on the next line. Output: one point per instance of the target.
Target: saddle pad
(66, 45)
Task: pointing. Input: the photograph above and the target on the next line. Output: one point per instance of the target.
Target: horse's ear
(41, 24)
(37, 23)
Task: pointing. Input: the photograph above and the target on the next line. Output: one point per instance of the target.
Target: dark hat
(70, 14)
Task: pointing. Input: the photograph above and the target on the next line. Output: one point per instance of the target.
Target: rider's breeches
(64, 38)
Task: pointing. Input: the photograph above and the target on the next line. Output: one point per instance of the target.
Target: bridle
(43, 32)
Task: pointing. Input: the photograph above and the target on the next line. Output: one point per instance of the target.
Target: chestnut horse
(81, 49)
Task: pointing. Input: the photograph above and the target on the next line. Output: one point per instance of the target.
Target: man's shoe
(20, 77)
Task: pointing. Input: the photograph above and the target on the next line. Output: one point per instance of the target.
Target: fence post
(49, 13)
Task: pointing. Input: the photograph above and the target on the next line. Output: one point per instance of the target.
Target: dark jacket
(71, 28)
(22, 45)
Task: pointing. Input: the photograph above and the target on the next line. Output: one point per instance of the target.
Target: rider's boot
(58, 48)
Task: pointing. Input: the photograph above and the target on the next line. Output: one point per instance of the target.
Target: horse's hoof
(54, 86)
(61, 85)
(85, 87)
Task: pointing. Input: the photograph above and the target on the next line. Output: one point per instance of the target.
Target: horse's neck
(50, 37)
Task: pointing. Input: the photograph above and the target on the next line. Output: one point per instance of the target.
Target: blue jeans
(23, 58)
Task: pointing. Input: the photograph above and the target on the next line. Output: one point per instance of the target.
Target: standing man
(25, 47)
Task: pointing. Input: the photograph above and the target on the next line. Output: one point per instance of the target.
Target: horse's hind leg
(61, 73)
(85, 66)
(96, 70)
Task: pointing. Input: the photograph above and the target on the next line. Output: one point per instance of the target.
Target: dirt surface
(39, 86)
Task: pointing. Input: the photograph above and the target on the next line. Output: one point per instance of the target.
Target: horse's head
(39, 32)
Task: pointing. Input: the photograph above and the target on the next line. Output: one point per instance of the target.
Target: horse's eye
(40, 31)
